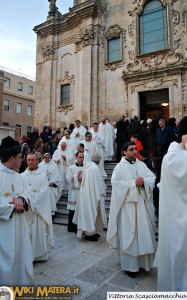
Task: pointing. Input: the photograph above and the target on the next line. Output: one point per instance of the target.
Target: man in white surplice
(64, 157)
(98, 137)
(16, 268)
(171, 255)
(36, 183)
(74, 178)
(68, 139)
(107, 132)
(90, 209)
(50, 168)
(78, 132)
(131, 219)
(90, 146)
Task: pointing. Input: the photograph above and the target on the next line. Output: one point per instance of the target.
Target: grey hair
(96, 158)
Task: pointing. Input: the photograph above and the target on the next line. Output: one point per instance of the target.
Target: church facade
(111, 58)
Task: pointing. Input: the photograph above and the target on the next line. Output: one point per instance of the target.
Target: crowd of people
(46, 165)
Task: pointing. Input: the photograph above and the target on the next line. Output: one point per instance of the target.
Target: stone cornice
(156, 73)
(87, 9)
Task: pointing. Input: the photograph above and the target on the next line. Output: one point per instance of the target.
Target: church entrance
(152, 102)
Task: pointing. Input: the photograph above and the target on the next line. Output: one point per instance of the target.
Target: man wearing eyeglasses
(131, 219)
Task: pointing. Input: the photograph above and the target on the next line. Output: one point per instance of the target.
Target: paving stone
(149, 284)
(101, 292)
(101, 250)
(85, 288)
(43, 280)
(96, 275)
(111, 262)
(123, 280)
(40, 267)
(72, 267)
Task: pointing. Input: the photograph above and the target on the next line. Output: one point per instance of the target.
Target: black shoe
(92, 238)
(104, 229)
(131, 274)
(72, 230)
(97, 235)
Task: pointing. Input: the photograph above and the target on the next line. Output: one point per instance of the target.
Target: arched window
(153, 28)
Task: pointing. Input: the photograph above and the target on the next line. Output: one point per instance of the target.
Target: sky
(17, 39)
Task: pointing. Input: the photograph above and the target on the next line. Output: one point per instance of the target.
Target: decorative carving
(153, 62)
(48, 52)
(139, 5)
(153, 84)
(183, 83)
(113, 66)
(131, 32)
(84, 39)
(175, 16)
(67, 78)
(65, 108)
(133, 88)
(114, 31)
(175, 82)
(134, 67)
(173, 58)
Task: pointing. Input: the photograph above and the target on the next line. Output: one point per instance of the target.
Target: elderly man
(90, 209)
(107, 132)
(131, 219)
(50, 168)
(172, 245)
(64, 157)
(78, 132)
(90, 146)
(70, 141)
(74, 178)
(36, 183)
(163, 137)
(16, 267)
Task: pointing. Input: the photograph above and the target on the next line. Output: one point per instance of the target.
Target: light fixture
(165, 104)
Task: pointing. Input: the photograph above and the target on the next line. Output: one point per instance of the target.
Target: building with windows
(17, 102)
(112, 58)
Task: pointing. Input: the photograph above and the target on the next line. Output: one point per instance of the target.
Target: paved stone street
(92, 266)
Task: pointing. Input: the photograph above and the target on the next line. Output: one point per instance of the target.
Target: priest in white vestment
(78, 132)
(16, 267)
(69, 140)
(90, 209)
(74, 178)
(64, 157)
(171, 257)
(36, 183)
(50, 168)
(107, 132)
(90, 147)
(99, 138)
(131, 218)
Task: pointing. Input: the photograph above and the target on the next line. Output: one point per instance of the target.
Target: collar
(78, 165)
(131, 161)
(7, 170)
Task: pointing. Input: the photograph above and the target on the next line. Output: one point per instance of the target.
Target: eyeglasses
(132, 149)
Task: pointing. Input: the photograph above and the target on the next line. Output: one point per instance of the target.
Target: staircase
(61, 216)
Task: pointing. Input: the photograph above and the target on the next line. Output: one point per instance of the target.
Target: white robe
(98, 137)
(107, 132)
(74, 185)
(64, 164)
(90, 202)
(81, 130)
(90, 148)
(131, 218)
(71, 143)
(171, 257)
(36, 184)
(16, 268)
(53, 176)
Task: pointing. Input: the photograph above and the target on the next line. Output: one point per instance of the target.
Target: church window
(153, 31)
(65, 94)
(113, 50)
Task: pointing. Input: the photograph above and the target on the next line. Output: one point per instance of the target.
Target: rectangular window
(6, 104)
(29, 110)
(19, 108)
(20, 86)
(5, 124)
(19, 127)
(30, 90)
(29, 130)
(7, 83)
(65, 94)
(113, 50)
